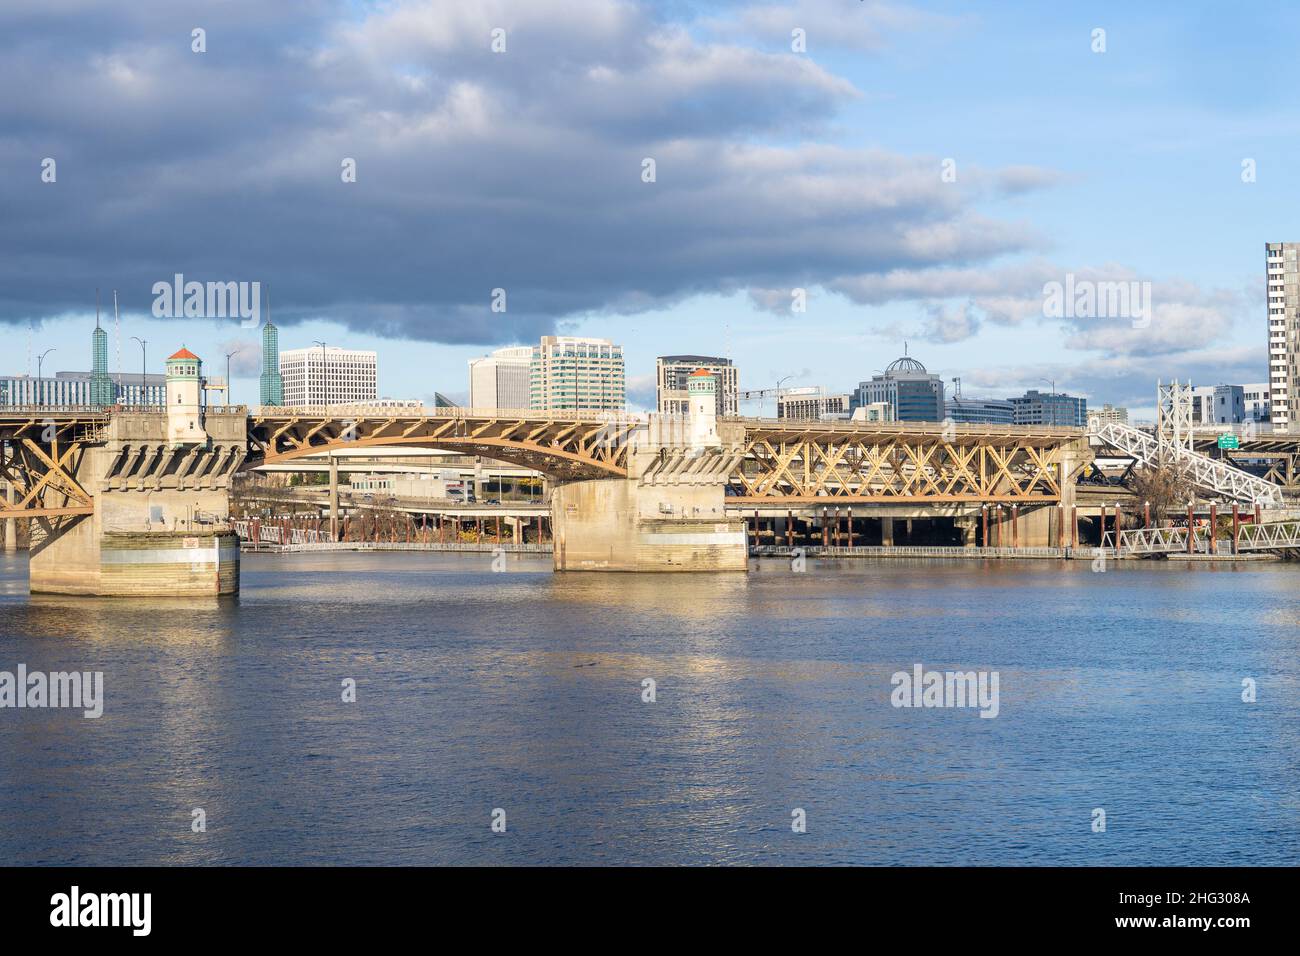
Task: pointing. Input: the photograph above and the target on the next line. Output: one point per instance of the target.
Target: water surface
(522, 691)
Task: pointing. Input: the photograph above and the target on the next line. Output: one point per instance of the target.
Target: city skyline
(990, 395)
(817, 138)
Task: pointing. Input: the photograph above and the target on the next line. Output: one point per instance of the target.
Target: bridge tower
(1174, 413)
(151, 498)
(702, 389)
(184, 409)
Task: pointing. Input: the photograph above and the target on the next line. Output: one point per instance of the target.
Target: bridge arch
(562, 447)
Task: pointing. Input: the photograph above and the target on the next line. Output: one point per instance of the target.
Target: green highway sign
(1229, 441)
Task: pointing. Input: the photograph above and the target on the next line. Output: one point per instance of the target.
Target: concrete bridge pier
(160, 523)
(669, 513)
(966, 525)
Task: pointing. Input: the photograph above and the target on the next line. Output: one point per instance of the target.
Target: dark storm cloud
(475, 170)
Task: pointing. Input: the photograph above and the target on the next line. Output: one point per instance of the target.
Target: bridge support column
(10, 524)
(334, 498)
(887, 532)
(966, 526)
(153, 537)
(617, 524)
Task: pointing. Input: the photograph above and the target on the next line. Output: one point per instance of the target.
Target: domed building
(915, 394)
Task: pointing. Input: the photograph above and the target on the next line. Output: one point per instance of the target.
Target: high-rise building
(810, 402)
(982, 411)
(1110, 413)
(1050, 408)
(102, 391)
(1282, 277)
(569, 373)
(500, 380)
(272, 383)
(673, 373)
(1256, 397)
(1218, 405)
(328, 375)
(917, 395)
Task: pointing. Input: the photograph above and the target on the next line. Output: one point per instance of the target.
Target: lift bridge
(102, 489)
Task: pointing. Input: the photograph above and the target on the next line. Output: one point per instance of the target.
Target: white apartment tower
(569, 373)
(326, 375)
(500, 380)
(1283, 331)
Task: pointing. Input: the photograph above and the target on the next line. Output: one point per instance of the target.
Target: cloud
(1148, 316)
(951, 324)
(642, 392)
(475, 170)
(246, 362)
(829, 24)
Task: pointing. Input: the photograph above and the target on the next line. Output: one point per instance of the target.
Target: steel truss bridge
(44, 450)
(849, 462)
(1267, 536)
(1212, 476)
(775, 461)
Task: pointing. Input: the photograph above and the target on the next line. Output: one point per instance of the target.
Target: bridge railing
(59, 409)
(904, 551)
(1266, 536)
(420, 411)
(276, 533)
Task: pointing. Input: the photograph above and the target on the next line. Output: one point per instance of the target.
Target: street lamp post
(144, 365)
(779, 382)
(1052, 382)
(229, 402)
(40, 388)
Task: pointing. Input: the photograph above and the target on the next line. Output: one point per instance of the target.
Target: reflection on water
(523, 691)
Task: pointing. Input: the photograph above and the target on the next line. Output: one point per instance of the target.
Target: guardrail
(906, 551)
(487, 547)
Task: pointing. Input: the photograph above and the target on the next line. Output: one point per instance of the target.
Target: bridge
(1278, 536)
(105, 489)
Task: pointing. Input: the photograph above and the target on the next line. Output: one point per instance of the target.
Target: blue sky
(775, 169)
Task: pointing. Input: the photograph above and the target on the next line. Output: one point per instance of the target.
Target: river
(523, 692)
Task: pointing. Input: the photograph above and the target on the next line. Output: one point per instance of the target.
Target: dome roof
(905, 364)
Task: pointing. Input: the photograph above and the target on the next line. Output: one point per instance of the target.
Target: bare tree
(1166, 488)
